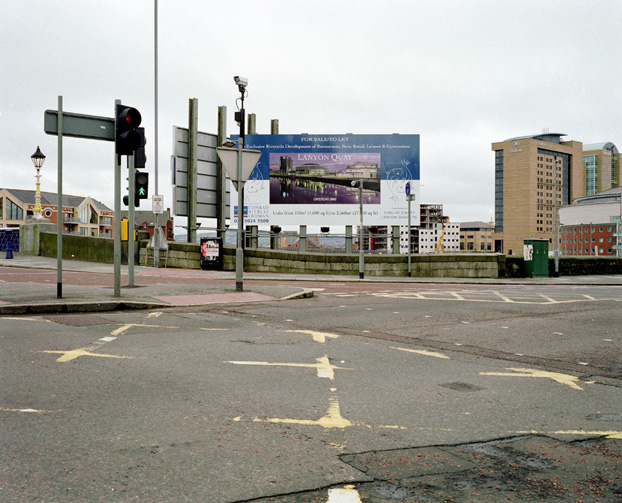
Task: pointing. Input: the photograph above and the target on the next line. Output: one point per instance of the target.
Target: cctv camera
(241, 81)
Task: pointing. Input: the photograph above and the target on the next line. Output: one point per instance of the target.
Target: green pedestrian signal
(141, 185)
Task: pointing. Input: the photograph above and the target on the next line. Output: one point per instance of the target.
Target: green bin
(536, 253)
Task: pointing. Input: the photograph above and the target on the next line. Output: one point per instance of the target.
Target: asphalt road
(365, 392)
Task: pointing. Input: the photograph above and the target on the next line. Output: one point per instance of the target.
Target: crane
(440, 240)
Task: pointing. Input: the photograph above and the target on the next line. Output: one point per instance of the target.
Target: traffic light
(127, 138)
(141, 186)
(140, 158)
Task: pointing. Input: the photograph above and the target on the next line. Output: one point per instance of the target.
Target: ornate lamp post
(38, 159)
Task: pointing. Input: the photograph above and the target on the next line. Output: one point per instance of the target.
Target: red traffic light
(130, 116)
(127, 138)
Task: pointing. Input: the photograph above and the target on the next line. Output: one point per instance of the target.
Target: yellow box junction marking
(317, 336)
(325, 369)
(496, 297)
(567, 380)
(424, 352)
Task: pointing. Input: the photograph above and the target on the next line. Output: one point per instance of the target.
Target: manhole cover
(461, 386)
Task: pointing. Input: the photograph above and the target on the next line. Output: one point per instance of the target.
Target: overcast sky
(461, 73)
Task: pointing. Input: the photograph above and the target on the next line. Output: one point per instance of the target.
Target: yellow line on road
(317, 336)
(567, 380)
(76, 353)
(324, 368)
(424, 352)
(31, 411)
(127, 326)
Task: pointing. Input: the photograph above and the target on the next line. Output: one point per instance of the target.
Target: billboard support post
(361, 254)
(239, 252)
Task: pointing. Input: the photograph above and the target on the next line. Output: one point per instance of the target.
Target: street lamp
(38, 159)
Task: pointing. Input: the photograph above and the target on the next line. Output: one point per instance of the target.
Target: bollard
(9, 252)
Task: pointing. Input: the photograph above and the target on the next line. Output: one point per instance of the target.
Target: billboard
(314, 180)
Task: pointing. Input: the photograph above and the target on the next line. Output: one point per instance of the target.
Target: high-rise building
(533, 175)
(602, 167)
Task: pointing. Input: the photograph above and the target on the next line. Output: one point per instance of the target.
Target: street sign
(408, 188)
(207, 174)
(158, 204)
(229, 159)
(90, 127)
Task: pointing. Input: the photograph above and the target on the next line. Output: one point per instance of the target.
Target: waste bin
(211, 253)
(536, 253)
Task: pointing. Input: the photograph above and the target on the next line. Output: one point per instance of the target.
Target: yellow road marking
(24, 319)
(324, 368)
(317, 336)
(346, 495)
(76, 353)
(565, 379)
(215, 329)
(123, 328)
(503, 297)
(154, 315)
(332, 419)
(31, 411)
(463, 297)
(424, 352)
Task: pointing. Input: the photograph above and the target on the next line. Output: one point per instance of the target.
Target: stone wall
(187, 256)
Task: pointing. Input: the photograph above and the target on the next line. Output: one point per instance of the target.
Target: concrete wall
(187, 255)
(87, 248)
(30, 236)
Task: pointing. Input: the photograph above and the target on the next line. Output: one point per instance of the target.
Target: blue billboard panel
(314, 179)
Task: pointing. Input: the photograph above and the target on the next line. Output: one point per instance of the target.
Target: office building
(534, 175)
(592, 226)
(476, 236)
(602, 167)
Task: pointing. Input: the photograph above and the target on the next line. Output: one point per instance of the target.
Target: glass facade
(498, 190)
(591, 172)
(13, 211)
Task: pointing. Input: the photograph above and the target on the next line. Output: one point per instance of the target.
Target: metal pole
(131, 214)
(156, 249)
(409, 239)
(59, 215)
(239, 252)
(193, 134)
(361, 256)
(117, 218)
(221, 181)
(556, 249)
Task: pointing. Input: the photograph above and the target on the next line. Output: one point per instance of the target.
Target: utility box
(211, 254)
(536, 254)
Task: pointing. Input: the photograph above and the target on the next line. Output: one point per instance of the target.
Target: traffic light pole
(131, 215)
(117, 218)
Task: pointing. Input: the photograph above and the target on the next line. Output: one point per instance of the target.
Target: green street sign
(91, 127)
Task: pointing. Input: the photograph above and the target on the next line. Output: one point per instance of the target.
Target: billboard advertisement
(315, 179)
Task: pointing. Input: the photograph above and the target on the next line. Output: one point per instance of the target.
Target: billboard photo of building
(311, 178)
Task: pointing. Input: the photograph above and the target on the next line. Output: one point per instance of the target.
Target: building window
(499, 191)
(13, 211)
